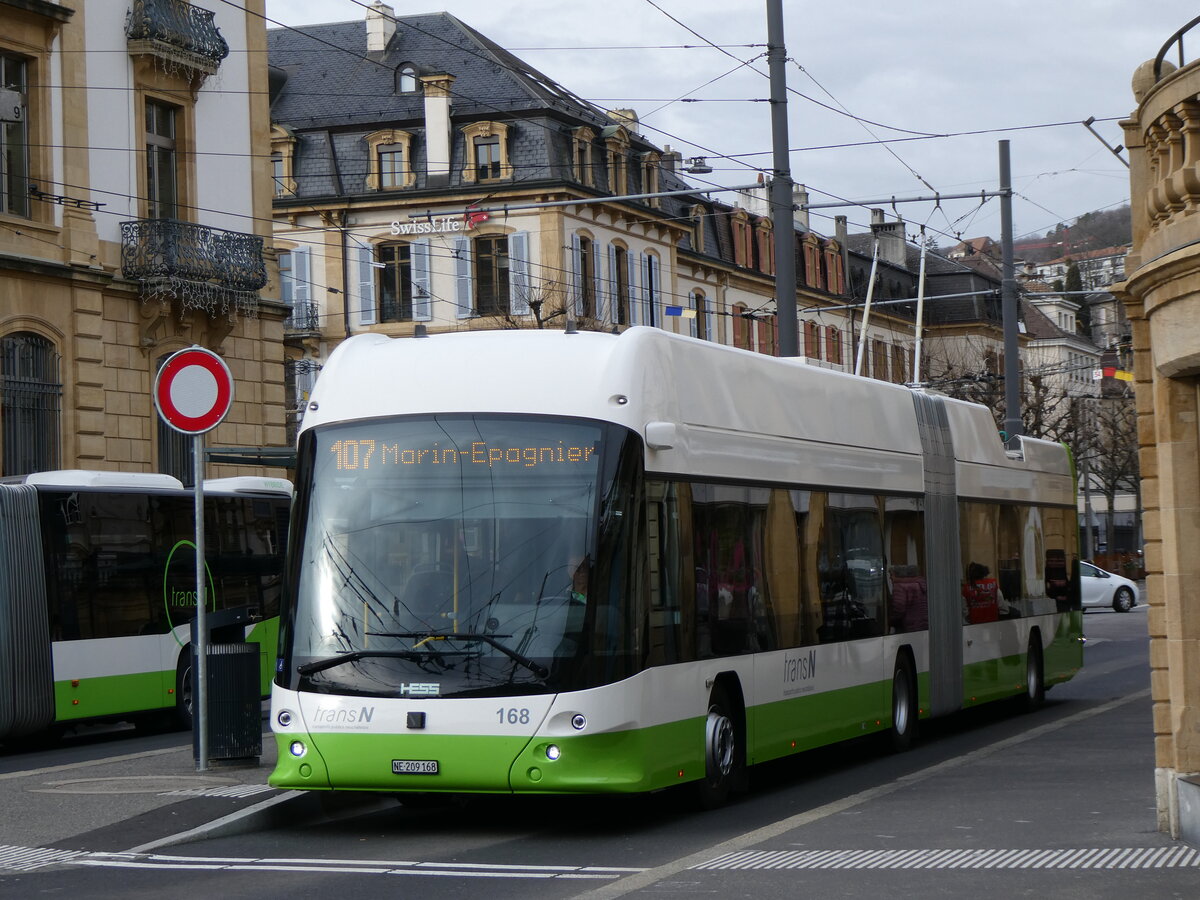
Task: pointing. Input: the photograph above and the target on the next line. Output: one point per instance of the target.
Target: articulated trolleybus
(553, 562)
(98, 589)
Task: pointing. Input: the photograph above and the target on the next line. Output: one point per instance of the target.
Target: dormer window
(406, 83)
(581, 156)
(486, 152)
(283, 152)
(487, 157)
(650, 165)
(390, 160)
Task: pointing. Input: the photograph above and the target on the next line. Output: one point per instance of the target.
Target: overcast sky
(934, 66)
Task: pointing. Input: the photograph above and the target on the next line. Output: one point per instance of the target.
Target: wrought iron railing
(305, 317)
(1175, 41)
(198, 266)
(181, 26)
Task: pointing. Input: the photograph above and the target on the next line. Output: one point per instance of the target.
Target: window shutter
(635, 292)
(576, 277)
(597, 282)
(301, 281)
(518, 272)
(366, 286)
(710, 320)
(419, 269)
(693, 299)
(649, 286)
(464, 294)
(608, 313)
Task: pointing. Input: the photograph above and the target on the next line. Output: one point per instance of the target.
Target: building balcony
(178, 34)
(195, 266)
(305, 318)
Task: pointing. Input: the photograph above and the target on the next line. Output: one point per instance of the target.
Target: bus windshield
(448, 555)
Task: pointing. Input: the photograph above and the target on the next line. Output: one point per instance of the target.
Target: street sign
(193, 390)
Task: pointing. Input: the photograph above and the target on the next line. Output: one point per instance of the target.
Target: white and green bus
(98, 589)
(547, 561)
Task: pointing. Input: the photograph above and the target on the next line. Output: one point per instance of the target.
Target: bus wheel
(1035, 681)
(183, 690)
(904, 705)
(723, 755)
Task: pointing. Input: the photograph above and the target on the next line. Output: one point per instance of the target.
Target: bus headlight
(297, 749)
(553, 753)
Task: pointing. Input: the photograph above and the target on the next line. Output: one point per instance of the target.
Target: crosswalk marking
(1074, 858)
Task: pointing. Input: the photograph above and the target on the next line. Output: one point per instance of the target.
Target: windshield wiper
(490, 639)
(330, 662)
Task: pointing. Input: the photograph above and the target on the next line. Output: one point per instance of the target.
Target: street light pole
(782, 226)
(1008, 306)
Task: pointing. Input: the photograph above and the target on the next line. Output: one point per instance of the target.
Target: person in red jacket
(981, 595)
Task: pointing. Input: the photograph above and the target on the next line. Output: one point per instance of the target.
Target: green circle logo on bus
(183, 601)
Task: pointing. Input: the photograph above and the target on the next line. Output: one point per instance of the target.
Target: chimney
(437, 128)
(671, 159)
(799, 198)
(892, 247)
(381, 25)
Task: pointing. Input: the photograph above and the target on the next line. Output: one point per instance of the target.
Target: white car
(1100, 588)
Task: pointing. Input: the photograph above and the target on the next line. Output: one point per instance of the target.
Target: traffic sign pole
(193, 393)
(200, 648)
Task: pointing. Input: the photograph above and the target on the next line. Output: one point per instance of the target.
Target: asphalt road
(991, 803)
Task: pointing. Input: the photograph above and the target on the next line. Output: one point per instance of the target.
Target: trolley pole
(1008, 306)
(781, 187)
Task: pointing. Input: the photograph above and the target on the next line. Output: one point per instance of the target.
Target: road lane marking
(27, 859)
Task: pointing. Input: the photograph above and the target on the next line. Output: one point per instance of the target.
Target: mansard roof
(333, 81)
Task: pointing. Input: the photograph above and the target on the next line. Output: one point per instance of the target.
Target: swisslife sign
(442, 224)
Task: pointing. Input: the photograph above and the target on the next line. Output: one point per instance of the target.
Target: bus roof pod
(249, 484)
(93, 478)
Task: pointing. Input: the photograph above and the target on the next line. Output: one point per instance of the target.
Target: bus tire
(1035, 674)
(724, 752)
(183, 690)
(903, 730)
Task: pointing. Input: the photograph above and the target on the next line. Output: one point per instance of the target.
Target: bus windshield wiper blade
(329, 662)
(490, 639)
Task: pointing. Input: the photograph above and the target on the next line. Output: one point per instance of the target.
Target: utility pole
(781, 187)
(1008, 306)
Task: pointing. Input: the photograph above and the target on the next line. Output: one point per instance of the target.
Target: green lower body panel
(1064, 657)
(618, 762)
(794, 725)
(993, 679)
(112, 695)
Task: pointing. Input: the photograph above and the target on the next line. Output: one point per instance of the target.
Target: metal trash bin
(234, 688)
(234, 701)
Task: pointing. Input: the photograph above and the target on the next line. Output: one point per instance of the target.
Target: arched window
(406, 83)
(30, 404)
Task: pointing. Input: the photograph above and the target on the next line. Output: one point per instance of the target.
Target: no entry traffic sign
(193, 390)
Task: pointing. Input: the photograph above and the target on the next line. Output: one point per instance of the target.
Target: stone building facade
(132, 224)
(1162, 295)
